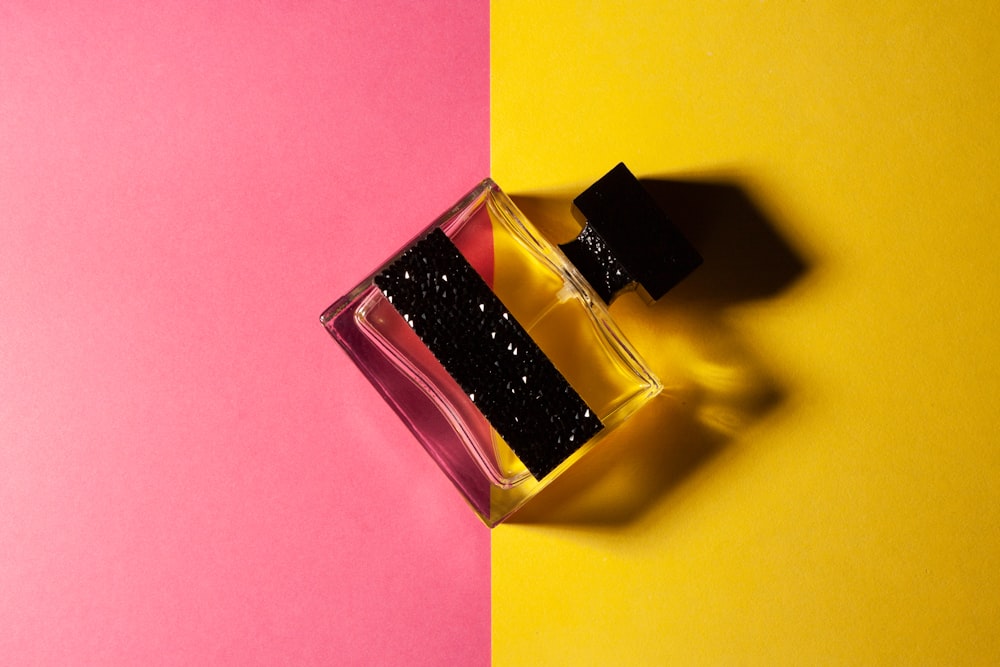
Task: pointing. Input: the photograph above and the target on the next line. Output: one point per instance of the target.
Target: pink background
(191, 471)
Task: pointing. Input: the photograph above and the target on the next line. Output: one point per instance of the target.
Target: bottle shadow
(715, 385)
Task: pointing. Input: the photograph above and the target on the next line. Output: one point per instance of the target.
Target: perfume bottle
(495, 346)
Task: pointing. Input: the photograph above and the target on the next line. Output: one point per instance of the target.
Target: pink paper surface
(191, 471)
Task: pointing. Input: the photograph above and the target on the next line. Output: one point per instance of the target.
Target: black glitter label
(491, 356)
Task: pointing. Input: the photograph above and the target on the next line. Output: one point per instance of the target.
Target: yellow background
(820, 484)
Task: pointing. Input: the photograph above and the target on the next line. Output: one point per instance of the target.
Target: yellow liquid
(547, 296)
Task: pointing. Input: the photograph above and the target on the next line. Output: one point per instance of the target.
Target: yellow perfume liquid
(572, 326)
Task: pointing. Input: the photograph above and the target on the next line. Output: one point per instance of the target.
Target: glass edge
(443, 220)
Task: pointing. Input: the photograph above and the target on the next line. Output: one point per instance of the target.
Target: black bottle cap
(628, 239)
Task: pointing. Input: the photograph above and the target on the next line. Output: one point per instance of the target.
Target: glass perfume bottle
(496, 347)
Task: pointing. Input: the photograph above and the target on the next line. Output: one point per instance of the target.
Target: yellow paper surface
(820, 483)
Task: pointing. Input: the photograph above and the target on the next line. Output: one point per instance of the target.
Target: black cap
(628, 238)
